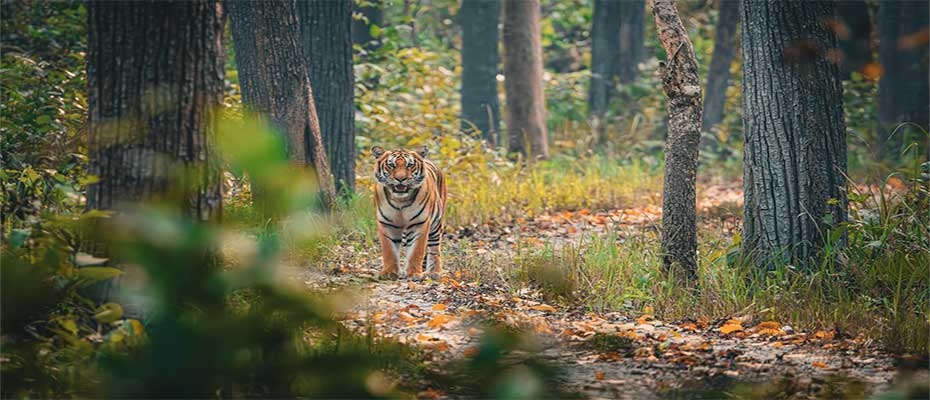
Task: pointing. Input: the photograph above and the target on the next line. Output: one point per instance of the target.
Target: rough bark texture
(368, 14)
(605, 55)
(523, 71)
(682, 85)
(904, 87)
(155, 78)
(853, 30)
(795, 151)
(480, 60)
(275, 83)
(718, 76)
(326, 33)
(632, 23)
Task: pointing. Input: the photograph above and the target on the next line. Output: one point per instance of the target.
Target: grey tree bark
(718, 75)
(275, 81)
(480, 60)
(155, 75)
(523, 84)
(632, 24)
(155, 80)
(605, 55)
(682, 86)
(904, 87)
(795, 150)
(326, 34)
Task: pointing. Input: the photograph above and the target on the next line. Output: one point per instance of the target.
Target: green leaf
(375, 31)
(108, 313)
(98, 274)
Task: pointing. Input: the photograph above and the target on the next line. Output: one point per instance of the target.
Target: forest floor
(599, 354)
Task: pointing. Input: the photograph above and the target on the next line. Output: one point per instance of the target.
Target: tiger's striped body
(410, 198)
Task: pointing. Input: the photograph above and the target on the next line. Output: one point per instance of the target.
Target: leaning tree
(326, 34)
(275, 80)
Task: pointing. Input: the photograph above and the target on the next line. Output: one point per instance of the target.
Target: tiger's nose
(401, 176)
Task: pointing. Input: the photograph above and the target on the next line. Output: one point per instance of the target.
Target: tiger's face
(401, 171)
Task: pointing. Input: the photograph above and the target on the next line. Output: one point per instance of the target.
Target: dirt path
(604, 355)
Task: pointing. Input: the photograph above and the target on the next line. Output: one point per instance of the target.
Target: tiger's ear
(423, 151)
(377, 151)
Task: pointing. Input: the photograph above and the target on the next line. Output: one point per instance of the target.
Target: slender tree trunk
(480, 60)
(155, 79)
(795, 151)
(632, 23)
(274, 78)
(718, 77)
(523, 71)
(605, 55)
(853, 30)
(682, 85)
(369, 15)
(326, 33)
(904, 87)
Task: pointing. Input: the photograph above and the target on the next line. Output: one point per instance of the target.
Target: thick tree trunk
(274, 78)
(326, 33)
(523, 71)
(480, 60)
(632, 23)
(682, 85)
(370, 14)
(904, 87)
(605, 55)
(853, 30)
(718, 76)
(155, 79)
(795, 151)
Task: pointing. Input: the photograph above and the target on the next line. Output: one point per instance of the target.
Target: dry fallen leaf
(818, 364)
(439, 320)
(644, 319)
(471, 352)
(824, 335)
(429, 394)
(730, 327)
(544, 307)
(688, 326)
(768, 325)
(439, 307)
(598, 375)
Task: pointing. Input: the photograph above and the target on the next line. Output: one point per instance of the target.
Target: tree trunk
(370, 15)
(903, 88)
(274, 78)
(718, 77)
(155, 79)
(480, 104)
(155, 75)
(853, 33)
(605, 55)
(795, 150)
(523, 84)
(632, 16)
(682, 85)
(326, 33)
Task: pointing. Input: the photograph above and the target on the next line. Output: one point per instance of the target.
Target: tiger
(410, 198)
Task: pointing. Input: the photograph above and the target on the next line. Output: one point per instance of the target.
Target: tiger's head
(401, 171)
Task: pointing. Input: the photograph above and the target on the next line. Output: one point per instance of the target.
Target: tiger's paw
(387, 276)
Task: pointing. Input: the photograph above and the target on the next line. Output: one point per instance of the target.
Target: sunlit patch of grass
(876, 285)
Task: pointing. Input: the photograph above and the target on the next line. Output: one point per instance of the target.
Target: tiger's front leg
(390, 252)
(417, 254)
